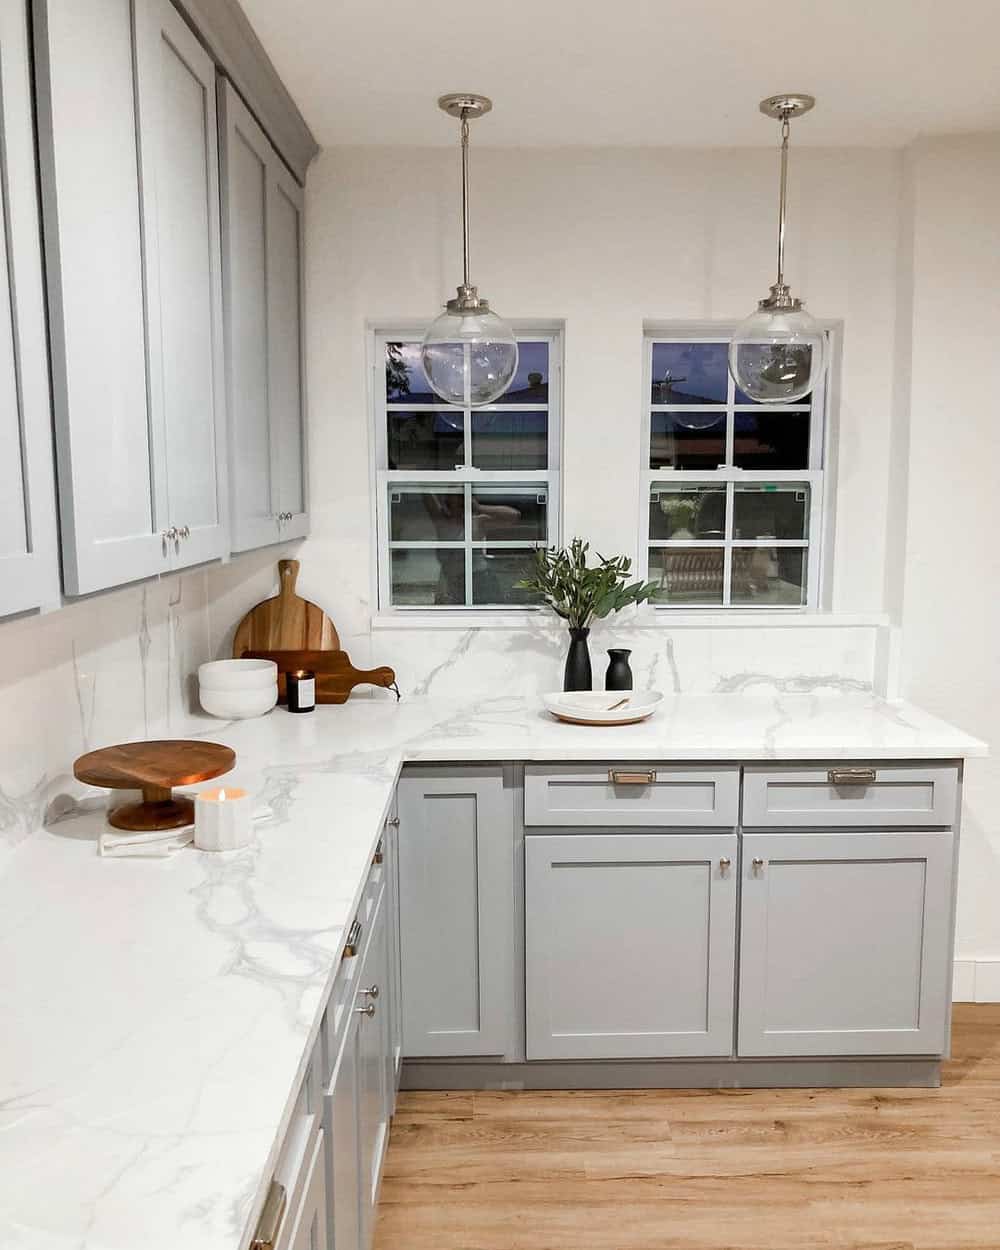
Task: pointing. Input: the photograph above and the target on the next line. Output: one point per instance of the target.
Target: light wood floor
(692, 1170)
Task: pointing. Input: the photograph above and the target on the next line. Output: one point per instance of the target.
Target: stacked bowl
(237, 689)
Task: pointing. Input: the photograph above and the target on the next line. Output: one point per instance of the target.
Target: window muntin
(465, 495)
(734, 489)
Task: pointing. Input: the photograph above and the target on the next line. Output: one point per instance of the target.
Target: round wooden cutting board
(286, 622)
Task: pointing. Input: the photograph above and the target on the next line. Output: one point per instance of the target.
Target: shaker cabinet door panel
(343, 1148)
(263, 246)
(184, 278)
(29, 571)
(456, 906)
(109, 436)
(630, 945)
(844, 943)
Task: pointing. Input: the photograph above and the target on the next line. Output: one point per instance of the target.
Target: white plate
(594, 707)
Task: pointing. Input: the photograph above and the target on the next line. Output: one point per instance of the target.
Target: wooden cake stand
(154, 768)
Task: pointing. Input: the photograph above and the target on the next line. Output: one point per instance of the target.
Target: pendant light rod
(782, 108)
(466, 106)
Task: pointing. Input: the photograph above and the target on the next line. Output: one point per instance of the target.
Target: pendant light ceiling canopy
(469, 354)
(778, 354)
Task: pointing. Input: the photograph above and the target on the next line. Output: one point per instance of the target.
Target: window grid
(730, 475)
(544, 481)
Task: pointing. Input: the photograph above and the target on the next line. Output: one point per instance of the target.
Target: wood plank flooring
(697, 1170)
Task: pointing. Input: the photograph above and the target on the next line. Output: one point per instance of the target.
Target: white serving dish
(596, 707)
(238, 704)
(237, 674)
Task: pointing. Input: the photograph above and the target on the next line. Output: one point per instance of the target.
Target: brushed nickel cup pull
(619, 778)
(269, 1225)
(367, 1010)
(851, 776)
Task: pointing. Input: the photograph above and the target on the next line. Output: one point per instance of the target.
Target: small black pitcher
(619, 676)
(578, 675)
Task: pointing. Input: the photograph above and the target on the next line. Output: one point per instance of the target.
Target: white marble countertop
(157, 1013)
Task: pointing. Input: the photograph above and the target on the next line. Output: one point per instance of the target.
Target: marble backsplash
(123, 666)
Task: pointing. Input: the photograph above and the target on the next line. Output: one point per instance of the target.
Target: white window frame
(817, 475)
(466, 476)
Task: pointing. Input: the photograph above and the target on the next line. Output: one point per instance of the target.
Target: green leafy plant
(580, 592)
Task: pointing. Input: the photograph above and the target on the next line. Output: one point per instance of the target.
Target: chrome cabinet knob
(757, 864)
(725, 864)
(368, 1010)
(169, 535)
(393, 822)
(373, 992)
(184, 531)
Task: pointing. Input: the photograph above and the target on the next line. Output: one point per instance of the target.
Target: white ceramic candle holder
(221, 819)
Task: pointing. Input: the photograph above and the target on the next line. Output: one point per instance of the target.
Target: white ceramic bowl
(596, 707)
(237, 675)
(239, 704)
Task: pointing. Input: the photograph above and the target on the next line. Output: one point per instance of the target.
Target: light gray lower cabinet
(344, 1209)
(844, 943)
(456, 909)
(29, 569)
(263, 240)
(630, 944)
(133, 265)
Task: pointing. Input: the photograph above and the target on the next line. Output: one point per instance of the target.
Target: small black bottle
(619, 676)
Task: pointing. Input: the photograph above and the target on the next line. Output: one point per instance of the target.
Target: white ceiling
(657, 73)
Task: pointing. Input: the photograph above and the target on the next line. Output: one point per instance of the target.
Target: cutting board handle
(288, 575)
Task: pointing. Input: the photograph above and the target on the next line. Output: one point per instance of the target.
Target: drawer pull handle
(725, 863)
(379, 854)
(269, 1224)
(372, 993)
(851, 776)
(353, 938)
(619, 778)
(367, 1010)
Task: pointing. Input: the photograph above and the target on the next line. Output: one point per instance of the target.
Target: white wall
(949, 605)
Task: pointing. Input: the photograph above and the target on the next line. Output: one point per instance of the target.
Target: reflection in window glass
(425, 440)
(426, 514)
(690, 373)
(495, 574)
(771, 439)
(531, 381)
(510, 440)
(684, 512)
(504, 514)
(769, 576)
(425, 577)
(687, 575)
(769, 511)
(404, 378)
(687, 440)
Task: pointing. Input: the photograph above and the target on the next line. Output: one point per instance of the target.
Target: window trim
(382, 332)
(819, 476)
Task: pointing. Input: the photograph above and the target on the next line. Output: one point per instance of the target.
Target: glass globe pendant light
(778, 354)
(469, 354)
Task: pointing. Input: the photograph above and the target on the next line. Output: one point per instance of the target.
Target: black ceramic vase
(619, 675)
(578, 675)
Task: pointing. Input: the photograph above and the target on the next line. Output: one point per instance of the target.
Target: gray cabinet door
(456, 908)
(183, 274)
(629, 945)
(343, 1147)
(844, 944)
(372, 1011)
(29, 570)
(109, 436)
(395, 1008)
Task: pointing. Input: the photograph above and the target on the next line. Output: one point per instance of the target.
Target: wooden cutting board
(287, 622)
(336, 676)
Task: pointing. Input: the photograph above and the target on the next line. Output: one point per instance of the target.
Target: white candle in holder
(221, 819)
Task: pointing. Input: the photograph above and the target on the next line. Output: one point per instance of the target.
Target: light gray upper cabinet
(29, 571)
(630, 944)
(263, 240)
(845, 944)
(456, 908)
(130, 204)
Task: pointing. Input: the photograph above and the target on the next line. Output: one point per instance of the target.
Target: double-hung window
(732, 508)
(465, 494)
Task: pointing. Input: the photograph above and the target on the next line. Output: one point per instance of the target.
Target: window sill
(659, 619)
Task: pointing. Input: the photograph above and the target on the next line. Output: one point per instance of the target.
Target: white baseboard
(976, 981)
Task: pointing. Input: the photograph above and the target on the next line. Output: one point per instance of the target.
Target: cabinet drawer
(631, 794)
(843, 795)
